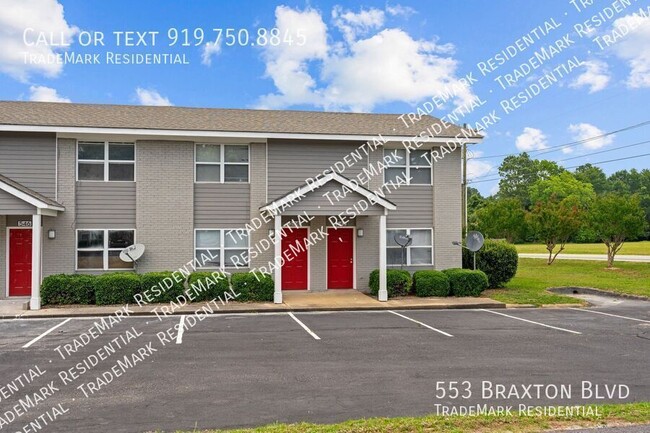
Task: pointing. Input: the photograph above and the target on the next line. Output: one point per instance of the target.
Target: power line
(575, 166)
(570, 144)
(604, 151)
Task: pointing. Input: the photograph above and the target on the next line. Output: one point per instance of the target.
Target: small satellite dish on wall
(132, 253)
(474, 241)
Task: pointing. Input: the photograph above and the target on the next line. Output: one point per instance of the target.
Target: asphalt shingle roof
(211, 119)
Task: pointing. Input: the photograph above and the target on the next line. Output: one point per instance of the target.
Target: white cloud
(210, 50)
(531, 139)
(400, 11)
(42, 16)
(583, 131)
(635, 48)
(353, 24)
(151, 97)
(45, 94)
(596, 76)
(360, 72)
(477, 168)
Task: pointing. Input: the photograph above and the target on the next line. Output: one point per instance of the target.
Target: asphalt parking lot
(253, 369)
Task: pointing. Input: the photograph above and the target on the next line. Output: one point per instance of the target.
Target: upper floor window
(105, 161)
(414, 166)
(221, 163)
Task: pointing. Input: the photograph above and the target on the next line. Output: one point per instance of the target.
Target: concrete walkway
(596, 257)
(332, 300)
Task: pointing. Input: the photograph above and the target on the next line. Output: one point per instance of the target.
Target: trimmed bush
(64, 289)
(398, 282)
(430, 283)
(498, 259)
(464, 282)
(255, 287)
(206, 286)
(161, 287)
(116, 288)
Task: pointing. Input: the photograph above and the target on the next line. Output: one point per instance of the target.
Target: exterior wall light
(51, 234)
(271, 233)
(359, 233)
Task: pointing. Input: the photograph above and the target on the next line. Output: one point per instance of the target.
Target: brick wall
(447, 211)
(318, 257)
(258, 198)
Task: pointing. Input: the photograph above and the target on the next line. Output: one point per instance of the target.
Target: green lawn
(633, 413)
(534, 276)
(632, 248)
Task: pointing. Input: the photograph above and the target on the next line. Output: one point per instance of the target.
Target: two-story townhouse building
(243, 188)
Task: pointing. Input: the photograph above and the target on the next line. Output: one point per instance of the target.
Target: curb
(576, 290)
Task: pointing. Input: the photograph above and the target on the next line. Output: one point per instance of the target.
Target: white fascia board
(28, 198)
(305, 189)
(176, 133)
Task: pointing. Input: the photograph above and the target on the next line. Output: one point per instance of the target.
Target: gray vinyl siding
(221, 205)
(291, 162)
(317, 202)
(10, 205)
(30, 159)
(106, 205)
(414, 206)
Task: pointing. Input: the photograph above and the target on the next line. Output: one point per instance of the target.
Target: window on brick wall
(420, 252)
(221, 248)
(221, 163)
(99, 249)
(414, 166)
(105, 161)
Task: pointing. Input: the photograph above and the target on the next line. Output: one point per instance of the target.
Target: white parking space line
(181, 329)
(609, 314)
(421, 324)
(309, 331)
(46, 332)
(533, 322)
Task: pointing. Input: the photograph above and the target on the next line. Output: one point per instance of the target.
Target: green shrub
(161, 287)
(430, 283)
(464, 282)
(398, 282)
(206, 286)
(256, 287)
(498, 259)
(68, 289)
(116, 288)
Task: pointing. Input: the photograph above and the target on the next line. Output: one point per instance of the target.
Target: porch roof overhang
(287, 200)
(44, 205)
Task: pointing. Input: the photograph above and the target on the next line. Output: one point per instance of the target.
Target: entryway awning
(337, 193)
(20, 198)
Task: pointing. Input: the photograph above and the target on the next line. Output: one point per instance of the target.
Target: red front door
(340, 258)
(20, 262)
(296, 266)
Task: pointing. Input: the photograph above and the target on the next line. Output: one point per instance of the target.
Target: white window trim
(105, 249)
(222, 162)
(222, 247)
(106, 161)
(407, 167)
(408, 249)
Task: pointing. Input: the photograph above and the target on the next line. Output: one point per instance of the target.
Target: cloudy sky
(374, 56)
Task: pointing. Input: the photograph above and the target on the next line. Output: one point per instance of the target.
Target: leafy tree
(555, 221)
(519, 172)
(502, 218)
(474, 200)
(563, 185)
(617, 218)
(592, 175)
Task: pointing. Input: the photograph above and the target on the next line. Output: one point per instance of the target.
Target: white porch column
(277, 294)
(383, 292)
(37, 238)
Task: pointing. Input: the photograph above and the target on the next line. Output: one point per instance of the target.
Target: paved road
(595, 257)
(247, 370)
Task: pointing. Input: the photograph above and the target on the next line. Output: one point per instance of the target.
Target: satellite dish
(403, 240)
(474, 241)
(132, 253)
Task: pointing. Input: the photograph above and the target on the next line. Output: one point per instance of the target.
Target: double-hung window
(419, 252)
(414, 166)
(220, 163)
(105, 161)
(221, 248)
(100, 249)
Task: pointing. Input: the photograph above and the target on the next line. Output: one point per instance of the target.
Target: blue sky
(363, 56)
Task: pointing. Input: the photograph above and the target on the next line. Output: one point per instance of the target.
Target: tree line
(538, 200)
